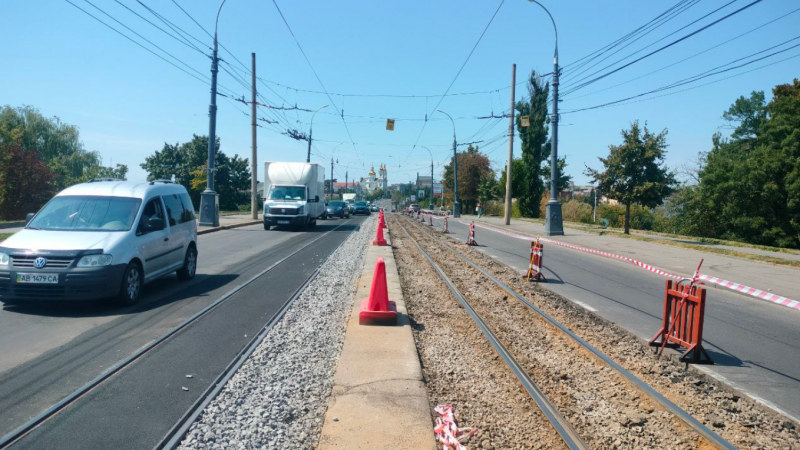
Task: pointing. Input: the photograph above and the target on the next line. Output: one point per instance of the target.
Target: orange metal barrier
(682, 326)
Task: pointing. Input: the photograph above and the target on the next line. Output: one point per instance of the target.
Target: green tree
(517, 182)
(635, 172)
(562, 178)
(473, 166)
(534, 145)
(186, 164)
(26, 182)
(746, 116)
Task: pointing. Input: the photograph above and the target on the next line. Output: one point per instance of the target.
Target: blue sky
(127, 102)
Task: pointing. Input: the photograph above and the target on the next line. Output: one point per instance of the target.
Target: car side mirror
(154, 224)
(28, 218)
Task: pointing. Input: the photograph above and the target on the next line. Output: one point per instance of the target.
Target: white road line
(584, 305)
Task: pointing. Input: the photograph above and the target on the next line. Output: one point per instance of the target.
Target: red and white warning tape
(738, 287)
(447, 432)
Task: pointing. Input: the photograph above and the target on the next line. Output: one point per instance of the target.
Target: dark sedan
(337, 209)
(361, 208)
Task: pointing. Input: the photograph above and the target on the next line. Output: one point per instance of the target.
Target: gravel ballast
(606, 416)
(278, 397)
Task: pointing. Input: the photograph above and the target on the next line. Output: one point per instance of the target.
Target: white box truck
(294, 194)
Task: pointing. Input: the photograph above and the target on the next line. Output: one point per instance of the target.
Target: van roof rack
(98, 180)
(161, 181)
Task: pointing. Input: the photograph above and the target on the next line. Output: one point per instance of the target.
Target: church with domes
(375, 181)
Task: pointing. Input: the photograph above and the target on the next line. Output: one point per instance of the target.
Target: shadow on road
(158, 293)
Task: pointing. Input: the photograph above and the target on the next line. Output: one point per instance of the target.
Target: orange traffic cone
(379, 240)
(378, 309)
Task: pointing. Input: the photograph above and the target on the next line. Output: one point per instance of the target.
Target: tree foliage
(749, 186)
(473, 168)
(534, 144)
(562, 178)
(43, 152)
(635, 172)
(186, 164)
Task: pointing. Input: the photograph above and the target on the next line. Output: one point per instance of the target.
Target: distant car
(373, 208)
(361, 208)
(101, 239)
(414, 207)
(337, 209)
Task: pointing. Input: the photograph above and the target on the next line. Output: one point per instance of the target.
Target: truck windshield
(87, 213)
(287, 193)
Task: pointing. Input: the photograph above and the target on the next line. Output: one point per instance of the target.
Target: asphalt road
(136, 407)
(755, 344)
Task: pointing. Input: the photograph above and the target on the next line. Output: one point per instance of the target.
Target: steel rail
(42, 417)
(561, 425)
(173, 438)
(712, 437)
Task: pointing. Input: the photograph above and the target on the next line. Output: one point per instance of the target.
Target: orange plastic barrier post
(471, 238)
(682, 326)
(379, 239)
(444, 225)
(535, 267)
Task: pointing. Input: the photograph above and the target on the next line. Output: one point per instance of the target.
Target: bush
(577, 211)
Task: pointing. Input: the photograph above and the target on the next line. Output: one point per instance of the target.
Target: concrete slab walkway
(379, 398)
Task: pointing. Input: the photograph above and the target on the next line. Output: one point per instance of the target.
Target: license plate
(283, 222)
(37, 278)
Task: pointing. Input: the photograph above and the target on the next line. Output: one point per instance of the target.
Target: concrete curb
(228, 227)
(379, 398)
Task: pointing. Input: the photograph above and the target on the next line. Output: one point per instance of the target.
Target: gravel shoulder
(279, 396)
(606, 416)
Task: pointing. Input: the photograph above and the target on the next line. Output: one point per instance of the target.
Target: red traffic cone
(379, 240)
(378, 309)
(381, 222)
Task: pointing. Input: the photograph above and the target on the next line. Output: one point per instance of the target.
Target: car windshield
(87, 213)
(287, 193)
(361, 203)
(336, 204)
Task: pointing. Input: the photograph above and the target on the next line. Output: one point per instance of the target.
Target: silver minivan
(101, 239)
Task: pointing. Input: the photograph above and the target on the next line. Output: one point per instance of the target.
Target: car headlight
(4, 259)
(300, 210)
(95, 261)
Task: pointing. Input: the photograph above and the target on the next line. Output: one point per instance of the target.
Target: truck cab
(292, 194)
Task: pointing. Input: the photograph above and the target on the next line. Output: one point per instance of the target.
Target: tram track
(539, 349)
(43, 417)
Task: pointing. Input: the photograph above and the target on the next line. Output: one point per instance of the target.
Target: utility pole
(310, 131)
(330, 183)
(209, 199)
(456, 204)
(553, 224)
(594, 210)
(254, 164)
(510, 145)
(431, 201)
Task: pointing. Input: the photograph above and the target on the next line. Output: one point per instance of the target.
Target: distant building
(374, 182)
(424, 182)
(341, 187)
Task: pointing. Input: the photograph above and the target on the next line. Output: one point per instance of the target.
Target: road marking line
(584, 305)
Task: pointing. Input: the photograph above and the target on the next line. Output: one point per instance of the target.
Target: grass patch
(4, 236)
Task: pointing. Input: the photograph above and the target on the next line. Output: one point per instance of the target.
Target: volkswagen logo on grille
(39, 263)
(283, 211)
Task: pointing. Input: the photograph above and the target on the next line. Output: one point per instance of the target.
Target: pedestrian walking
(479, 210)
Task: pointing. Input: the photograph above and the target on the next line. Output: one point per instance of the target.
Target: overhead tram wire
(574, 73)
(580, 61)
(681, 39)
(727, 41)
(435, 108)
(316, 75)
(205, 81)
(706, 74)
(572, 83)
(180, 39)
(177, 29)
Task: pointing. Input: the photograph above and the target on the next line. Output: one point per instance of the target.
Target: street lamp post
(310, 131)
(456, 204)
(553, 224)
(431, 153)
(209, 199)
